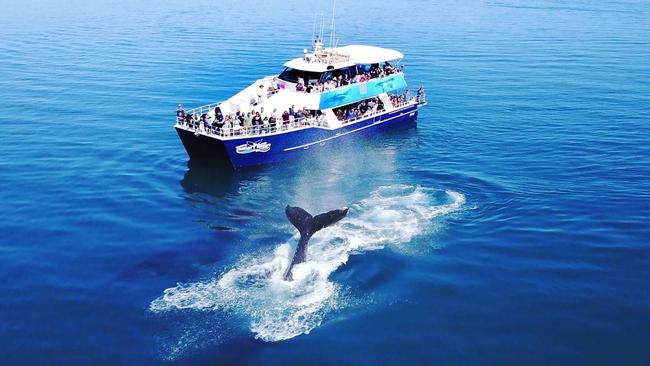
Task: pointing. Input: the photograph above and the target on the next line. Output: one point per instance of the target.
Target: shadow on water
(179, 263)
(185, 261)
(213, 179)
(216, 179)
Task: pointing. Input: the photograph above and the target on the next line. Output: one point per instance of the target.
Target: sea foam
(254, 287)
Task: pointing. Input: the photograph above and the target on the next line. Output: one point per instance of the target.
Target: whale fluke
(308, 225)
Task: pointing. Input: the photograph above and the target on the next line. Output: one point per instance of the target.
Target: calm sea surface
(510, 227)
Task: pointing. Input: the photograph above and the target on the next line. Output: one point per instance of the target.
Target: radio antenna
(333, 31)
(313, 31)
(322, 26)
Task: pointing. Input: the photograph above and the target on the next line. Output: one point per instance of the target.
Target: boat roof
(360, 54)
(344, 56)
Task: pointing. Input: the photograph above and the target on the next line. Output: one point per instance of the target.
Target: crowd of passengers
(372, 106)
(338, 81)
(256, 122)
(358, 110)
(251, 122)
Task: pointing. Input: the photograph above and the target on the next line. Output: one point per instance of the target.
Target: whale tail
(308, 225)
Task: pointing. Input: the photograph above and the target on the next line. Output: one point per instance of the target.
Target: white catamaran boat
(325, 96)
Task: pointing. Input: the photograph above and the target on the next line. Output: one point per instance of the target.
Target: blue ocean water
(510, 227)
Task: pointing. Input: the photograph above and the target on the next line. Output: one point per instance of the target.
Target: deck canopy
(369, 54)
(315, 66)
(343, 57)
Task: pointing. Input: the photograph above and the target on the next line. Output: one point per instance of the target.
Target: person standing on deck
(180, 113)
(292, 114)
(285, 120)
(257, 122)
(420, 94)
(248, 123)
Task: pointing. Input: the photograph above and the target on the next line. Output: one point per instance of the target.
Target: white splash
(279, 309)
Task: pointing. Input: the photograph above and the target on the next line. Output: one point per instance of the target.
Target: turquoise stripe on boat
(356, 92)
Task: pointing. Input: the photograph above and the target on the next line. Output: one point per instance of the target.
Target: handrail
(260, 130)
(376, 112)
(421, 99)
(363, 116)
(233, 128)
(280, 126)
(406, 102)
(198, 111)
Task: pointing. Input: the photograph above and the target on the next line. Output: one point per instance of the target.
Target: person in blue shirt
(292, 114)
(180, 113)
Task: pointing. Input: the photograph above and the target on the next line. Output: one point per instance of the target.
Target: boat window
(365, 69)
(292, 75)
(350, 72)
(327, 76)
(311, 77)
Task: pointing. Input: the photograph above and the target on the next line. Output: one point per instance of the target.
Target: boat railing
(376, 110)
(421, 98)
(251, 131)
(199, 111)
(404, 102)
(204, 109)
(369, 113)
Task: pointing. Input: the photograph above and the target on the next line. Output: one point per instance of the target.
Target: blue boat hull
(289, 144)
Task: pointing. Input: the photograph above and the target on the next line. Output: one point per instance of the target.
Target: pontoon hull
(289, 144)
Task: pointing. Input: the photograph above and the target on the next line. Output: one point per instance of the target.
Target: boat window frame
(351, 71)
(309, 77)
(327, 76)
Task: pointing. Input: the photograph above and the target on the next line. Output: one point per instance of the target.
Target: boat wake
(276, 309)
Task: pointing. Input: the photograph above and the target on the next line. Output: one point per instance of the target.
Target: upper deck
(340, 57)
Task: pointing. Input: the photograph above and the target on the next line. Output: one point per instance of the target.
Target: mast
(322, 28)
(333, 30)
(313, 33)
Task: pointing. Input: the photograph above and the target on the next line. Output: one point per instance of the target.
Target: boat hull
(267, 149)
